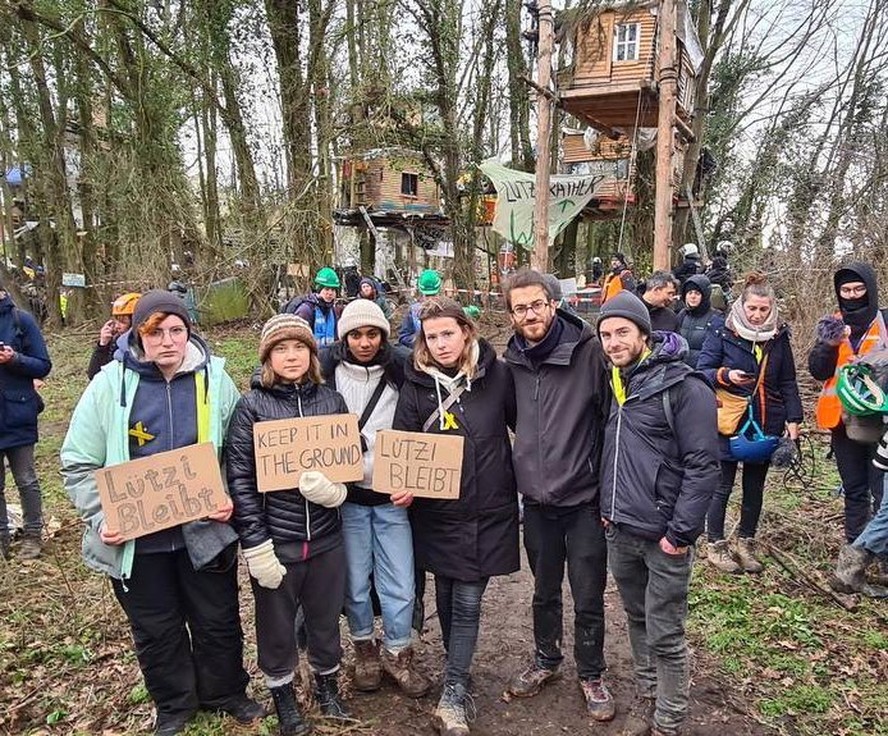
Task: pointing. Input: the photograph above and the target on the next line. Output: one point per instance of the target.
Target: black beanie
(155, 301)
(626, 304)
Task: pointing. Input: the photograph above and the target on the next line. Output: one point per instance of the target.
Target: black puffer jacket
(477, 535)
(283, 516)
(658, 476)
(694, 323)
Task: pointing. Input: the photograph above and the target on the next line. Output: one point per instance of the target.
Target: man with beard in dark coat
(562, 396)
(858, 329)
(657, 484)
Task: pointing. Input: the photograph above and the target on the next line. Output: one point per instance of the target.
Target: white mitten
(319, 489)
(264, 565)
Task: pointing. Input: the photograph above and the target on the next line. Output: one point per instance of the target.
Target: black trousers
(318, 586)
(187, 631)
(862, 482)
(553, 537)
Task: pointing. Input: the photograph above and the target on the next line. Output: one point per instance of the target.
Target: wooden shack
(611, 79)
(390, 180)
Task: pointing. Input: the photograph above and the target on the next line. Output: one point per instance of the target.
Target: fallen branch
(796, 572)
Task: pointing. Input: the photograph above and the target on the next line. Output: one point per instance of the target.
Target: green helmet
(859, 392)
(429, 282)
(472, 311)
(327, 279)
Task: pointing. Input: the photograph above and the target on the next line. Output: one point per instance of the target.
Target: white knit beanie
(362, 313)
(285, 327)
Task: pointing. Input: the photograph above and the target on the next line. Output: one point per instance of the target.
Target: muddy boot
(879, 574)
(290, 721)
(599, 703)
(4, 546)
(720, 557)
(327, 695)
(400, 668)
(368, 668)
(745, 554)
(452, 713)
(31, 546)
(850, 575)
(640, 717)
(530, 681)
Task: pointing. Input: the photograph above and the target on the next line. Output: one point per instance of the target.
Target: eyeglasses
(175, 333)
(537, 307)
(852, 290)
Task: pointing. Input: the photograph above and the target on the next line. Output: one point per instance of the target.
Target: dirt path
(505, 645)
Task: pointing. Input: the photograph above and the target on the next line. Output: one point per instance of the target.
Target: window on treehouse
(409, 184)
(626, 37)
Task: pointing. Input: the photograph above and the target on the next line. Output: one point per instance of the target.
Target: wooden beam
(540, 257)
(666, 115)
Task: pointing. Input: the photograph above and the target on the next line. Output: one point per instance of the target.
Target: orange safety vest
(613, 285)
(829, 408)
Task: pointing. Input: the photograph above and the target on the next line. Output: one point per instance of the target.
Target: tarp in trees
(516, 194)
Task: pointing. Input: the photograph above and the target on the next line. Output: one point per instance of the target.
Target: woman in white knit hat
(369, 372)
(292, 539)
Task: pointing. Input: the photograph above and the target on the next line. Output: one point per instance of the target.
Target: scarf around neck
(450, 383)
(737, 322)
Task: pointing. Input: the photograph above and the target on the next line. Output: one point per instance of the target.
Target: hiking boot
(745, 553)
(640, 717)
(529, 682)
(400, 668)
(850, 575)
(290, 721)
(171, 724)
(720, 556)
(327, 695)
(243, 709)
(368, 668)
(452, 714)
(599, 703)
(31, 546)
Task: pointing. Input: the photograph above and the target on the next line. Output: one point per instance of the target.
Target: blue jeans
(21, 463)
(654, 589)
(378, 540)
(459, 612)
(874, 538)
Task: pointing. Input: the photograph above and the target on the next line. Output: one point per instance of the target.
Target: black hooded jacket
(298, 527)
(475, 536)
(562, 403)
(694, 323)
(823, 357)
(659, 472)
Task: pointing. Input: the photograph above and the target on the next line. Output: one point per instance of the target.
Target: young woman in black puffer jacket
(292, 539)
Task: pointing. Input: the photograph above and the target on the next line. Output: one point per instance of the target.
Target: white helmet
(689, 249)
(725, 246)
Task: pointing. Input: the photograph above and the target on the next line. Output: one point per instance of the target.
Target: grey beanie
(158, 300)
(626, 304)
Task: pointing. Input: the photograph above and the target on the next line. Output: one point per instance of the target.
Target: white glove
(319, 489)
(264, 565)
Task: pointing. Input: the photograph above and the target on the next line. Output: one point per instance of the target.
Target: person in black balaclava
(698, 317)
(857, 329)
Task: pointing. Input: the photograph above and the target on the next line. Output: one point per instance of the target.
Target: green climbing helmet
(429, 282)
(327, 279)
(472, 311)
(859, 392)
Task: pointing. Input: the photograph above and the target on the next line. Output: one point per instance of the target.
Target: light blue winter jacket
(97, 438)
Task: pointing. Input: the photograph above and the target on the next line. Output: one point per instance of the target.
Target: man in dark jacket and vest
(562, 397)
(656, 486)
(23, 358)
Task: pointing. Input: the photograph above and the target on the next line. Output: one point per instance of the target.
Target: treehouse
(611, 79)
(388, 183)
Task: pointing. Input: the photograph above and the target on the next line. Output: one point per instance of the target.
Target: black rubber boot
(290, 720)
(327, 695)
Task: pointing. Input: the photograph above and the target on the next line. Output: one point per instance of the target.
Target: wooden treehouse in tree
(387, 183)
(611, 79)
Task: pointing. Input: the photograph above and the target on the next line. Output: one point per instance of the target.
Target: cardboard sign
(427, 465)
(164, 490)
(286, 448)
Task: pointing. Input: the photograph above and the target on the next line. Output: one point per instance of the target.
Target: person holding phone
(457, 386)
(751, 356)
(121, 320)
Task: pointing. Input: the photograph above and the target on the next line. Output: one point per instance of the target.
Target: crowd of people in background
(623, 440)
